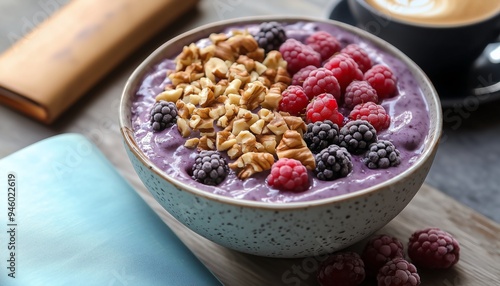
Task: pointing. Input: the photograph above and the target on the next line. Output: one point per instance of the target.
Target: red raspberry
(288, 175)
(299, 77)
(293, 100)
(359, 55)
(321, 81)
(359, 92)
(341, 269)
(373, 113)
(398, 272)
(379, 250)
(324, 43)
(324, 107)
(433, 248)
(345, 69)
(298, 55)
(382, 79)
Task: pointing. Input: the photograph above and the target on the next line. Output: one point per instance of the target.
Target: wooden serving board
(478, 236)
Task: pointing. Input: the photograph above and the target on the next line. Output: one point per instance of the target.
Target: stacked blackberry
(270, 36)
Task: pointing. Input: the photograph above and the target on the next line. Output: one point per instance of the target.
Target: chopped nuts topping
(253, 95)
(228, 93)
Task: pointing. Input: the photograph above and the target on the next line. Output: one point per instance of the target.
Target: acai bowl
(225, 90)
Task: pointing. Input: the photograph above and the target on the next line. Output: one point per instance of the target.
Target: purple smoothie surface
(408, 130)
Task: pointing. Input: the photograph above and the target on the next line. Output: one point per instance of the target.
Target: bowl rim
(446, 26)
(428, 152)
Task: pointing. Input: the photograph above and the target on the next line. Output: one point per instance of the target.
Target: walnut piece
(247, 62)
(207, 97)
(251, 163)
(201, 120)
(278, 125)
(233, 87)
(282, 76)
(238, 71)
(182, 110)
(207, 53)
(268, 142)
(293, 146)
(183, 127)
(234, 152)
(171, 95)
(258, 126)
(224, 51)
(274, 60)
(253, 95)
(239, 125)
(190, 54)
(257, 55)
(215, 67)
(217, 38)
(191, 143)
(273, 97)
(295, 123)
(206, 143)
(243, 43)
(247, 141)
(224, 140)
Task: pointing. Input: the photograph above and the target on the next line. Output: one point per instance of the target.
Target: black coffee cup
(437, 49)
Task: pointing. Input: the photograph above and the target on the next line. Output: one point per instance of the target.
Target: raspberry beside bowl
(296, 229)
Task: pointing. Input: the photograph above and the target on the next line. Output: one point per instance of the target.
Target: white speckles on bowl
(296, 229)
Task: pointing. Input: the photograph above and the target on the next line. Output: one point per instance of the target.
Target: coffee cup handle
(489, 64)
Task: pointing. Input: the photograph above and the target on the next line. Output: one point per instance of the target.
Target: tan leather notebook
(49, 69)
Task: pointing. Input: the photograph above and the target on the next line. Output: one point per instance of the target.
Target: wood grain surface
(478, 237)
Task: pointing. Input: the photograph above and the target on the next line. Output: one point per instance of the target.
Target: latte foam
(438, 12)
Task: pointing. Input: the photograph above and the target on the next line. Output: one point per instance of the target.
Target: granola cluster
(227, 96)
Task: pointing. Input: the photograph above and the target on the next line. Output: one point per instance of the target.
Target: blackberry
(381, 155)
(332, 163)
(210, 168)
(163, 114)
(357, 135)
(270, 36)
(321, 134)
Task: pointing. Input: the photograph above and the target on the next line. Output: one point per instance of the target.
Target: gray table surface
(467, 165)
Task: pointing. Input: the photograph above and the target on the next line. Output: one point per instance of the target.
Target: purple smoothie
(408, 131)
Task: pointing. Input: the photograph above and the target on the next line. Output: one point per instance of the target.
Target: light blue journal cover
(68, 218)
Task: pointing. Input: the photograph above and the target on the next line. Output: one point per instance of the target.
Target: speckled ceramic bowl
(271, 229)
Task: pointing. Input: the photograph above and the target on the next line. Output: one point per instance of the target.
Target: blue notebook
(68, 218)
